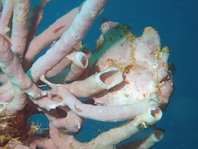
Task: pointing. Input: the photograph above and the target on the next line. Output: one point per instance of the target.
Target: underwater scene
(98, 74)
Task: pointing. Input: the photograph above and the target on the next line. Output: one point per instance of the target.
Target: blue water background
(176, 22)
